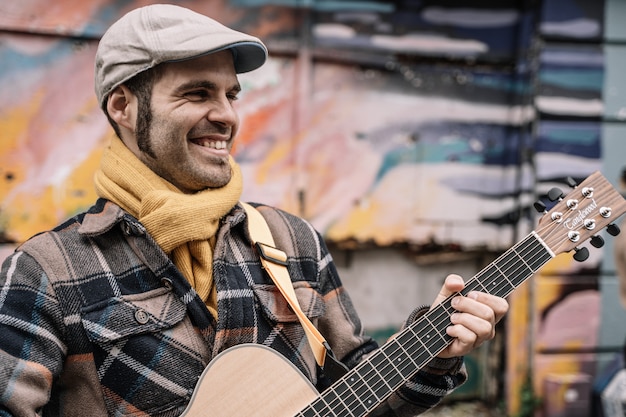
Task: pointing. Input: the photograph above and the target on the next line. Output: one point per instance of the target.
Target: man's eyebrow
(203, 84)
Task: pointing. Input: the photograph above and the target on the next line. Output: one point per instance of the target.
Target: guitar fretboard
(372, 381)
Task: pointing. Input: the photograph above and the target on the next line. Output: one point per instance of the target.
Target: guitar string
(498, 271)
(501, 271)
(340, 396)
(441, 318)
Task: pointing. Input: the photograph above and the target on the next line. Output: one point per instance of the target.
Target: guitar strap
(274, 261)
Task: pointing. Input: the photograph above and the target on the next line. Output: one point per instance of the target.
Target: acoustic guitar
(268, 385)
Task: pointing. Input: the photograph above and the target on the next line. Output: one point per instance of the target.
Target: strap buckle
(272, 254)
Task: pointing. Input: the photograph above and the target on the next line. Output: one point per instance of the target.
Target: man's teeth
(220, 144)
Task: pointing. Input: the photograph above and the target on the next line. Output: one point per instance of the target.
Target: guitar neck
(373, 380)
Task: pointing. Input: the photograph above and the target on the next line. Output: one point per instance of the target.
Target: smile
(212, 144)
(220, 144)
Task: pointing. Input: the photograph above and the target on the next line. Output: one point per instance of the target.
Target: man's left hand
(474, 320)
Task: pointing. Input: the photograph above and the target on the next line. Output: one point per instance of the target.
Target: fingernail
(473, 295)
(458, 279)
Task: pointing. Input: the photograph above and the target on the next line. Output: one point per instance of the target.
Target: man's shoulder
(99, 217)
(282, 221)
(292, 234)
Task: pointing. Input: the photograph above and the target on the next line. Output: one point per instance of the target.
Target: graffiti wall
(422, 124)
(364, 120)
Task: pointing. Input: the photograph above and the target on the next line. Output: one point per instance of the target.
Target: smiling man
(190, 121)
(118, 311)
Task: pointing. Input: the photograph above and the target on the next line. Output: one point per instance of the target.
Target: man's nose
(223, 112)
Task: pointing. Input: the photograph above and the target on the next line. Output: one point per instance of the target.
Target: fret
(409, 339)
(475, 285)
(364, 390)
(310, 411)
(533, 255)
(410, 336)
(408, 355)
(378, 371)
(526, 270)
(340, 398)
(494, 280)
(533, 252)
(507, 265)
(478, 285)
(511, 269)
(351, 399)
(355, 407)
(436, 340)
(537, 261)
(318, 408)
(397, 359)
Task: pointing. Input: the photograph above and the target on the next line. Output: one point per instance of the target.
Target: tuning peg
(597, 241)
(613, 229)
(571, 182)
(581, 254)
(540, 207)
(555, 194)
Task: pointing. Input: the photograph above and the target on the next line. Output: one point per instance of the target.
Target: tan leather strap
(275, 263)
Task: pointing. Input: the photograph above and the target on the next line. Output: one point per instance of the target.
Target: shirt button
(167, 283)
(141, 317)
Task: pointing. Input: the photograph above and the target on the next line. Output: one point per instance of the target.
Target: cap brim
(247, 56)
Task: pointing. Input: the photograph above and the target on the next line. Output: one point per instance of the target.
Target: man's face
(193, 123)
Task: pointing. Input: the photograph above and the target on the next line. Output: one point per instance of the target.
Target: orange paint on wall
(14, 158)
(256, 122)
(550, 293)
(26, 212)
(517, 342)
(27, 216)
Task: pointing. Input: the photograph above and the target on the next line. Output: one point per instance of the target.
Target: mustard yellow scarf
(184, 225)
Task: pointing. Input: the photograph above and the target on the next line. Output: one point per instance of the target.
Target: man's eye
(196, 95)
(232, 97)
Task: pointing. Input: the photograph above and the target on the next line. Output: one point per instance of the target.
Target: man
(119, 310)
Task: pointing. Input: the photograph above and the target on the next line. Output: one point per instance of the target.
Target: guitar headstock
(581, 214)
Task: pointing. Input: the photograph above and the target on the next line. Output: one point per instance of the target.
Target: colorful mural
(383, 123)
(397, 129)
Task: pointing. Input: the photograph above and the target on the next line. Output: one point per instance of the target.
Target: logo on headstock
(574, 222)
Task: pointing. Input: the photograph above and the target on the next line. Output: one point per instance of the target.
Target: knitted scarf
(183, 225)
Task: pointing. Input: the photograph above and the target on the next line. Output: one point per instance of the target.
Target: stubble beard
(142, 131)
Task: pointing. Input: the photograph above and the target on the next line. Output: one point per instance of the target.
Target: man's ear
(122, 107)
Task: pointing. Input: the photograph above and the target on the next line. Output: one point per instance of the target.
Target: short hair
(141, 86)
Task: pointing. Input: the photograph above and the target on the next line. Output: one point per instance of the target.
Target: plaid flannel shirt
(96, 320)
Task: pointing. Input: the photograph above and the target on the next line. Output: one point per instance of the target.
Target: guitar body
(250, 380)
(255, 381)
